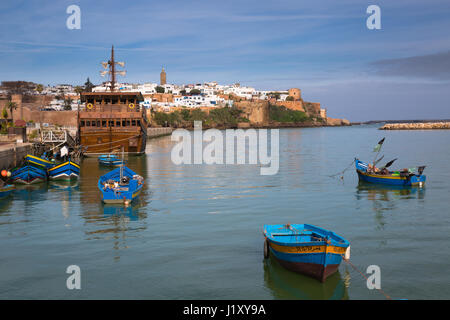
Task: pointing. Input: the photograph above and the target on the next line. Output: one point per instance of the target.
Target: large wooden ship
(113, 120)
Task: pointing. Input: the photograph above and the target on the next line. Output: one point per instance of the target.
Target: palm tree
(11, 106)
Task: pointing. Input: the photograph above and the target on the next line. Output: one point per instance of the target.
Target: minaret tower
(162, 77)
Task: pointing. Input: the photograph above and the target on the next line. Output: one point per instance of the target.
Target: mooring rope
(111, 142)
(341, 173)
(354, 267)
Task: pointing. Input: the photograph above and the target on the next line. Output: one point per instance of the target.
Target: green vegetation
(216, 117)
(194, 92)
(289, 98)
(5, 113)
(33, 135)
(283, 114)
(160, 89)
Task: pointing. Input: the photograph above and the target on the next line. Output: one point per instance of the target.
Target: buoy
(131, 106)
(89, 105)
(347, 254)
(4, 173)
(9, 174)
(266, 249)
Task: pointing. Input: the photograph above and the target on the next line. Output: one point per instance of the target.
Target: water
(196, 231)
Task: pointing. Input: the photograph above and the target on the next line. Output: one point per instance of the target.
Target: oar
(387, 165)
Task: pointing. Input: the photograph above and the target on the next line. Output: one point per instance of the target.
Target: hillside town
(165, 104)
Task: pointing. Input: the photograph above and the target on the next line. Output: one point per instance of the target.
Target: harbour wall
(416, 126)
(158, 132)
(12, 154)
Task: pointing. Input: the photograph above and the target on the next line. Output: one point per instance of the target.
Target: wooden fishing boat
(121, 185)
(40, 162)
(67, 170)
(110, 160)
(306, 249)
(6, 190)
(398, 178)
(28, 174)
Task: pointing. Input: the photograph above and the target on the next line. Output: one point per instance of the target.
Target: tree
(88, 85)
(289, 98)
(160, 89)
(11, 106)
(68, 104)
(4, 113)
(183, 92)
(39, 88)
(195, 92)
(78, 89)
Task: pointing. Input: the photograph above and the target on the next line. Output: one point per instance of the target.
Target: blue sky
(323, 47)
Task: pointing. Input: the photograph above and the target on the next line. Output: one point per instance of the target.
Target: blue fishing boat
(6, 190)
(28, 174)
(405, 177)
(67, 170)
(110, 160)
(121, 185)
(40, 162)
(306, 249)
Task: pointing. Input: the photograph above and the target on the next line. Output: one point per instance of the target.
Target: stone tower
(295, 93)
(162, 77)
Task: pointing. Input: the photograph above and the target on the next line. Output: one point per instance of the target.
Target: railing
(112, 108)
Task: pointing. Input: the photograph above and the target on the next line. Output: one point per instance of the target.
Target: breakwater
(416, 126)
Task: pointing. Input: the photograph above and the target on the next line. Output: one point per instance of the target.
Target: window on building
(117, 123)
(104, 123)
(82, 123)
(133, 123)
(88, 123)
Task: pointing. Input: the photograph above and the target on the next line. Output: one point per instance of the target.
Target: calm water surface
(196, 231)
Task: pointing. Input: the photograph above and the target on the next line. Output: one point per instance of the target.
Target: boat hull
(120, 197)
(68, 170)
(390, 179)
(121, 192)
(6, 190)
(100, 142)
(315, 262)
(305, 249)
(110, 160)
(39, 161)
(28, 175)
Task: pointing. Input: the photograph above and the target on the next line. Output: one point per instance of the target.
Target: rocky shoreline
(416, 126)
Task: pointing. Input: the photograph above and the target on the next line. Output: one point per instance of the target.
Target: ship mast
(112, 65)
(110, 69)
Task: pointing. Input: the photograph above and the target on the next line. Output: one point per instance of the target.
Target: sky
(323, 47)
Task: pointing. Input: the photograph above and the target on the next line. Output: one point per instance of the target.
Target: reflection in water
(384, 197)
(112, 222)
(285, 284)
